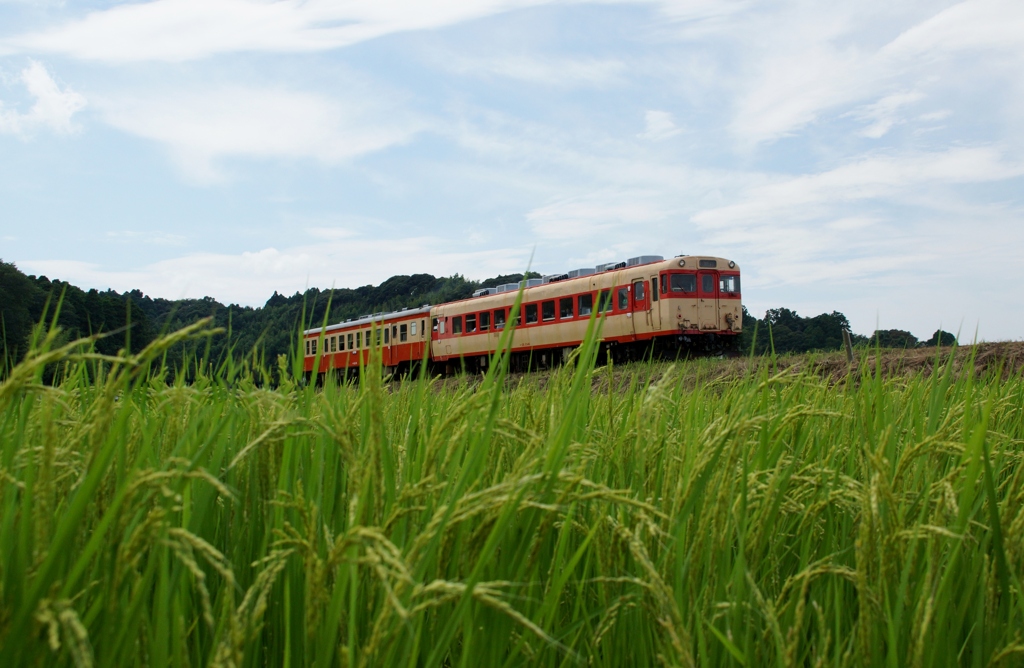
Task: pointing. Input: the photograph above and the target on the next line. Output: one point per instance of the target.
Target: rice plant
(633, 516)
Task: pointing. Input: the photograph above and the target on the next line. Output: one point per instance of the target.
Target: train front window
(684, 283)
(729, 284)
(531, 314)
(586, 304)
(565, 307)
(457, 325)
(623, 298)
(485, 321)
(470, 323)
(707, 284)
(547, 310)
(499, 319)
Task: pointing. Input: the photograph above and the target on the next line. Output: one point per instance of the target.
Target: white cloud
(177, 30)
(982, 25)
(806, 197)
(884, 238)
(882, 115)
(546, 70)
(660, 126)
(52, 109)
(203, 127)
(800, 61)
(595, 217)
(249, 278)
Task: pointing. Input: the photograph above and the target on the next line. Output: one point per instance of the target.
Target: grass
(668, 517)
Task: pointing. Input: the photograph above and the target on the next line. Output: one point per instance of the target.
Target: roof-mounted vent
(608, 266)
(530, 282)
(553, 278)
(582, 271)
(643, 259)
(483, 292)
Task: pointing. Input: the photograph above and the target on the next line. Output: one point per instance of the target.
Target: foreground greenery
(604, 517)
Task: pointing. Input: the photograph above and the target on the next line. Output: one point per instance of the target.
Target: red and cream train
(648, 303)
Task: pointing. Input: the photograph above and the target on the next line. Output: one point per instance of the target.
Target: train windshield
(730, 284)
(684, 282)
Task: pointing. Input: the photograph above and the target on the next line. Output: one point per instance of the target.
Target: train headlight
(682, 263)
(731, 264)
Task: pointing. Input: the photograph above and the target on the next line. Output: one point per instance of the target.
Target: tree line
(131, 320)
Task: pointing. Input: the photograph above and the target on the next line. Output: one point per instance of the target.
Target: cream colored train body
(646, 305)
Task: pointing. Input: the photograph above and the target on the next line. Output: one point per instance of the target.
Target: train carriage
(646, 303)
(399, 337)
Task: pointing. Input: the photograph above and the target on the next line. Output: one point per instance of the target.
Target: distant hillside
(271, 328)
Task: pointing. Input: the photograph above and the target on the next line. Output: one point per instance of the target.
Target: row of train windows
(356, 340)
(688, 283)
(532, 313)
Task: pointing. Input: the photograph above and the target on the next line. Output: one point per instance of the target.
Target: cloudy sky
(866, 157)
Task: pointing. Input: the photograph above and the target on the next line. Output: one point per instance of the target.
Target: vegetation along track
(681, 516)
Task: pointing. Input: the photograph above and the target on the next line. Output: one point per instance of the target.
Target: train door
(656, 307)
(641, 306)
(707, 299)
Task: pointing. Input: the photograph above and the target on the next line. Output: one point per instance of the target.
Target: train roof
(587, 272)
(377, 318)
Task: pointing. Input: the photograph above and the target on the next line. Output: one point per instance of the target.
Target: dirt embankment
(1006, 357)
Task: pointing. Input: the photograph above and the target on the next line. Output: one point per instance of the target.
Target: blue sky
(862, 157)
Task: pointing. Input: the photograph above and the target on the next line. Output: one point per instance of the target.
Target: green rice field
(652, 514)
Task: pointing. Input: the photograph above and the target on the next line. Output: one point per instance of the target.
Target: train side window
(499, 319)
(623, 299)
(350, 338)
(307, 347)
(394, 332)
(684, 283)
(565, 307)
(341, 342)
(531, 314)
(729, 284)
(547, 310)
(604, 301)
(412, 328)
(386, 332)
(403, 332)
(378, 336)
(457, 325)
(314, 346)
(423, 326)
(654, 288)
(434, 323)
(470, 323)
(664, 284)
(708, 286)
(585, 303)
(485, 321)
(442, 324)
(518, 320)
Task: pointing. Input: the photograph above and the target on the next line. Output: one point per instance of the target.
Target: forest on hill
(132, 319)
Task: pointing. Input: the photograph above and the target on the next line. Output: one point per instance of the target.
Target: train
(650, 306)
